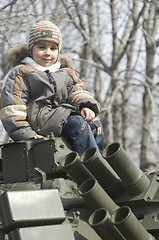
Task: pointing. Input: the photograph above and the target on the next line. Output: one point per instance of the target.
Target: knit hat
(44, 30)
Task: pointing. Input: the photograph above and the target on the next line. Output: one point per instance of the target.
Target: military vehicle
(48, 192)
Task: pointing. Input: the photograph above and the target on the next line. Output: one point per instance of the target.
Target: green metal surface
(54, 232)
(29, 208)
(46, 187)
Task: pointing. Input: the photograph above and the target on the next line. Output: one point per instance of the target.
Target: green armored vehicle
(48, 192)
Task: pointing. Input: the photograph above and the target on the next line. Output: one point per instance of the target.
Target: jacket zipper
(37, 117)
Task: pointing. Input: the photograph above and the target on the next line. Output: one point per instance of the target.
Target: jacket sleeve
(13, 111)
(79, 97)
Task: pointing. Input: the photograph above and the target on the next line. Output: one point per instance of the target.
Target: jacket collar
(30, 62)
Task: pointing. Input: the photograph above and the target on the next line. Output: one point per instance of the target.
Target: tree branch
(7, 5)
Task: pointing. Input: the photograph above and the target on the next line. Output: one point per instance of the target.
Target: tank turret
(47, 190)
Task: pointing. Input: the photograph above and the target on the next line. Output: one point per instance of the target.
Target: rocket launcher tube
(74, 167)
(128, 225)
(95, 196)
(103, 172)
(133, 178)
(99, 220)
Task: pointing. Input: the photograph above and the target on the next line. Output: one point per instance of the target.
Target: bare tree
(150, 25)
(114, 46)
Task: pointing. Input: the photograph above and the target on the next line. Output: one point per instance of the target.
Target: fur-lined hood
(17, 53)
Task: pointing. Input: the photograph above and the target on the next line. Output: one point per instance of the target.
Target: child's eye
(41, 47)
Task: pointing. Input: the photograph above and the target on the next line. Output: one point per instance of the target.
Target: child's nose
(48, 51)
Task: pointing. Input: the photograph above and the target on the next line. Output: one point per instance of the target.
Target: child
(41, 95)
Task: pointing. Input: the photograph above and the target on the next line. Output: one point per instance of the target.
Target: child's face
(45, 53)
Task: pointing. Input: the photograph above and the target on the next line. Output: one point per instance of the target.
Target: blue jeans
(82, 135)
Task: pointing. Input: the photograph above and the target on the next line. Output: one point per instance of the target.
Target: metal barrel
(133, 178)
(95, 196)
(128, 225)
(99, 220)
(103, 172)
(75, 168)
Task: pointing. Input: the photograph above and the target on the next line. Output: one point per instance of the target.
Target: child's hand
(38, 136)
(87, 114)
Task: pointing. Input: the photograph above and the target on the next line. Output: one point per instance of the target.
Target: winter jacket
(39, 102)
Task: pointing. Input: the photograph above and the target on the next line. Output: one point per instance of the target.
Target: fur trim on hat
(66, 61)
(15, 55)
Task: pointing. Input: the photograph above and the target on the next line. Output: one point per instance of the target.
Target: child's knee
(74, 124)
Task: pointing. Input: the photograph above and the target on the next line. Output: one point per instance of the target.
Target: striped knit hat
(44, 30)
